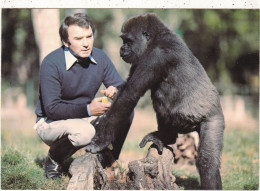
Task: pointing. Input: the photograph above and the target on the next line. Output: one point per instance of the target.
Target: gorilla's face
(139, 35)
(135, 43)
(127, 50)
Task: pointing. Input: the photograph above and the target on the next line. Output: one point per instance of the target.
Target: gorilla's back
(189, 94)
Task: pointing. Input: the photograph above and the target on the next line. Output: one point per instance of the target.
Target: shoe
(52, 169)
(59, 151)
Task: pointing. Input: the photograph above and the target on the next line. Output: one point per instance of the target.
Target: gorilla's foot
(93, 148)
(152, 137)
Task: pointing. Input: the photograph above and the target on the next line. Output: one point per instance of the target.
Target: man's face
(81, 40)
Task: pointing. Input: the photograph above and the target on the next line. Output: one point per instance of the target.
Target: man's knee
(83, 136)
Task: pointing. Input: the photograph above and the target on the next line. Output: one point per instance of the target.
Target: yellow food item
(104, 100)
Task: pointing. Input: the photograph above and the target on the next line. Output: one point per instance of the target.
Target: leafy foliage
(219, 37)
(20, 51)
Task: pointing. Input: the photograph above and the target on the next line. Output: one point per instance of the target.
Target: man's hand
(109, 92)
(97, 107)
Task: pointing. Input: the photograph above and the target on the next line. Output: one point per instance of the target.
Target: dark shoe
(59, 151)
(52, 168)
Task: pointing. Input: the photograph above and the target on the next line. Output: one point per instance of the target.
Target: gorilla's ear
(147, 35)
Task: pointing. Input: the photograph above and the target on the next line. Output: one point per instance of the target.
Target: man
(69, 80)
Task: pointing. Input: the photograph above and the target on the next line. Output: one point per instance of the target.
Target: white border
(204, 4)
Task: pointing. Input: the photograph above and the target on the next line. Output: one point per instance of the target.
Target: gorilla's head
(138, 34)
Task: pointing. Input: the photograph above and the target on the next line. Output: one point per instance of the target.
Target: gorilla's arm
(141, 78)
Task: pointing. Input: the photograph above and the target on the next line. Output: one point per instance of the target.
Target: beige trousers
(79, 131)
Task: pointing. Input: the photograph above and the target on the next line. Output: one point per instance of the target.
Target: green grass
(19, 172)
(23, 156)
(23, 153)
(241, 171)
(240, 163)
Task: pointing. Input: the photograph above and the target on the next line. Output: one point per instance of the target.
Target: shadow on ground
(188, 183)
(40, 161)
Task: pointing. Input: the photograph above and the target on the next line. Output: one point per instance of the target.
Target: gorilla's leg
(209, 152)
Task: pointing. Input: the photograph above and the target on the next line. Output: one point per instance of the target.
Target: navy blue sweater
(65, 94)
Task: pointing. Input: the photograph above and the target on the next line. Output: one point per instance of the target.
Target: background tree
(46, 24)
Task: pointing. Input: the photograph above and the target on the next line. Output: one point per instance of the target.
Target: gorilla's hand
(155, 138)
(102, 137)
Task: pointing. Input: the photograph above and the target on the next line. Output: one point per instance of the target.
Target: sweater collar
(70, 59)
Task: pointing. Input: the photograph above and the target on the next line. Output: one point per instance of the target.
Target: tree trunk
(154, 172)
(46, 23)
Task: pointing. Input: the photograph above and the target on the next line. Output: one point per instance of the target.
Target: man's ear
(65, 44)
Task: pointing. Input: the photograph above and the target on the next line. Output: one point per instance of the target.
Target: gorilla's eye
(127, 41)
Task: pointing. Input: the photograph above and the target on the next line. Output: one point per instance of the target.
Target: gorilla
(182, 94)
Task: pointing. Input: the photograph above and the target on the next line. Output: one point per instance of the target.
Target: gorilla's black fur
(183, 96)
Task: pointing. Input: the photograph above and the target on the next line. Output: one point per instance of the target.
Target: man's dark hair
(78, 19)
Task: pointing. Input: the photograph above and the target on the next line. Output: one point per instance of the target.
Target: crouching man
(69, 80)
